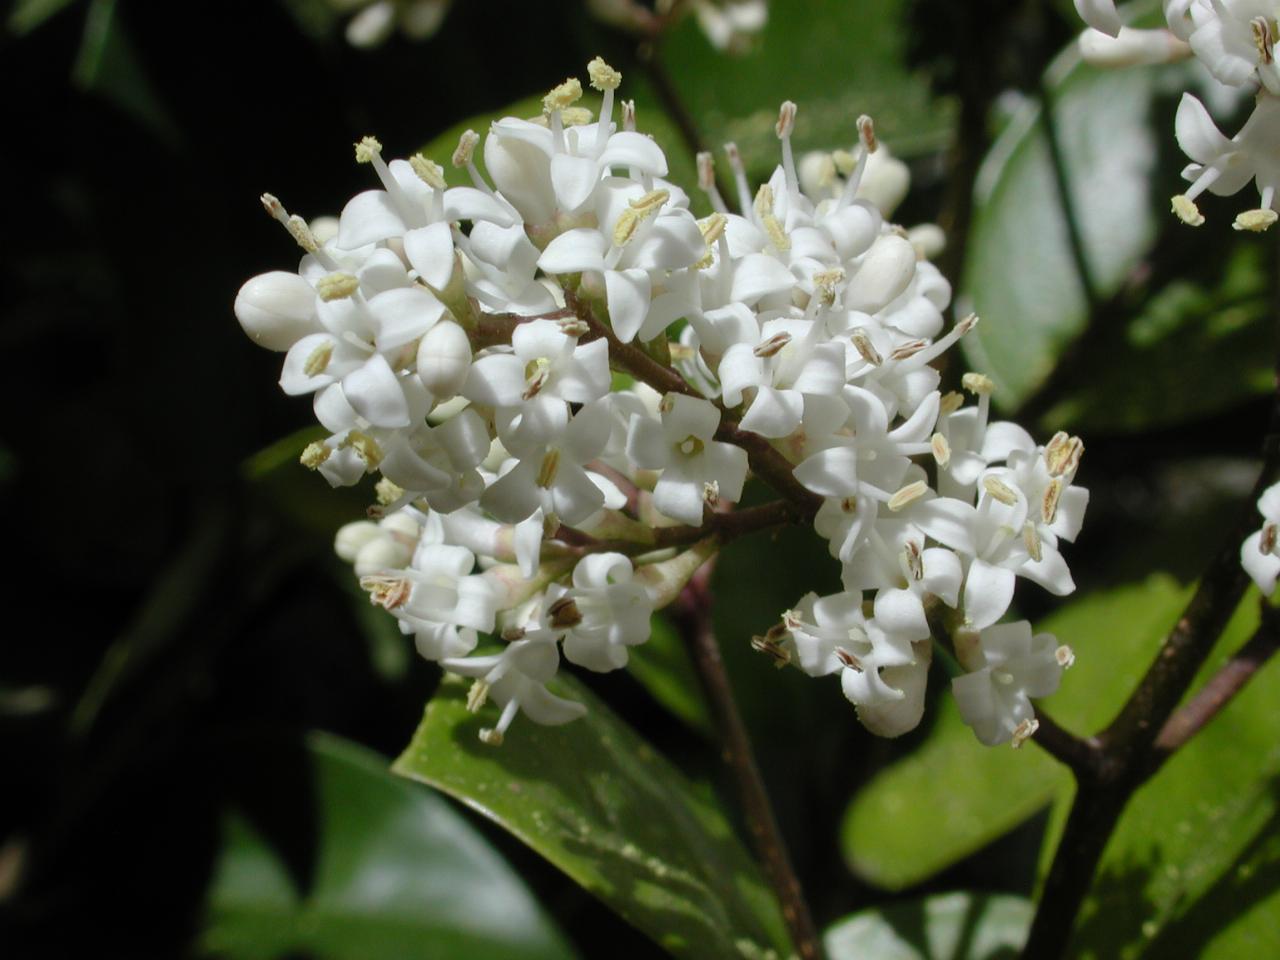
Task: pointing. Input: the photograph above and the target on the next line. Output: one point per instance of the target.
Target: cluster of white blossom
(728, 24)
(1258, 553)
(459, 340)
(1235, 40)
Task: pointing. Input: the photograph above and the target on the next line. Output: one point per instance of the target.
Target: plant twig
(738, 756)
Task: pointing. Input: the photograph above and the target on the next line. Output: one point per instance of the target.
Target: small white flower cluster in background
(458, 341)
(1236, 41)
(1259, 553)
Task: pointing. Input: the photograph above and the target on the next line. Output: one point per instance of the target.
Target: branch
(1219, 691)
(737, 754)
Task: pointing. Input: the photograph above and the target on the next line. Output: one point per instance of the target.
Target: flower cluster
(460, 342)
(1235, 40)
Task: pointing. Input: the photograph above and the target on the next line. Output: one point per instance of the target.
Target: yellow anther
(1255, 221)
(428, 171)
(979, 384)
(625, 229)
(387, 492)
(773, 346)
(711, 493)
(713, 227)
(777, 236)
(825, 283)
(569, 117)
(301, 233)
(603, 77)
(387, 592)
(764, 201)
(1024, 732)
(941, 450)
(1263, 38)
(1187, 211)
(844, 161)
(315, 454)
(477, 696)
(1000, 490)
(367, 149)
(908, 495)
(466, 148)
(950, 403)
(318, 360)
(1049, 502)
(1062, 455)
(650, 202)
(549, 468)
(866, 349)
(786, 120)
(562, 96)
(336, 286)
(366, 447)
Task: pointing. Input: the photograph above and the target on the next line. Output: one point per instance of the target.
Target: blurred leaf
(107, 64)
(1216, 336)
(389, 649)
(953, 796)
(398, 876)
(1193, 869)
(662, 667)
(951, 926)
(316, 18)
(300, 494)
(600, 804)
(26, 15)
(835, 59)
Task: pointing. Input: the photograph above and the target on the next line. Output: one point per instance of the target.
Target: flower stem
(737, 754)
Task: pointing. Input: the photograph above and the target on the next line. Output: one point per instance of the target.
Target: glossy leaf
(398, 875)
(600, 804)
(951, 926)
(835, 59)
(952, 795)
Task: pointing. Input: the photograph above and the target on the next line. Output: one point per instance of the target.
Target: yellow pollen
(603, 77)
(1187, 211)
(1000, 490)
(844, 162)
(318, 360)
(387, 492)
(711, 492)
(978, 384)
(826, 283)
(777, 236)
(950, 403)
(314, 455)
(941, 450)
(562, 96)
(1255, 221)
(366, 447)
(1049, 502)
(301, 233)
(625, 229)
(466, 148)
(569, 117)
(428, 171)
(549, 468)
(650, 202)
(764, 201)
(1062, 455)
(713, 227)
(367, 149)
(908, 495)
(336, 286)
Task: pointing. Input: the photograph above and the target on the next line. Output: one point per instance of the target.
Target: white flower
(1235, 40)
(1099, 14)
(516, 680)
(546, 361)
(1258, 552)
(1225, 166)
(1013, 667)
(604, 612)
(695, 468)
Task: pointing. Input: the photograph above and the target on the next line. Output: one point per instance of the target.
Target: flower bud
(276, 309)
(444, 357)
(884, 274)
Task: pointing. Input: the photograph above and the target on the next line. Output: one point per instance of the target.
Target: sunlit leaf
(600, 804)
(952, 926)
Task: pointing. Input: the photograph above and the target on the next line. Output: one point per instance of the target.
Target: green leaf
(398, 876)
(596, 801)
(951, 926)
(1193, 869)
(1020, 274)
(953, 796)
(835, 59)
(26, 15)
(663, 668)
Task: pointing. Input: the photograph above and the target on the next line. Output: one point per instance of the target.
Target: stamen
(562, 96)
(366, 447)
(773, 649)
(707, 181)
(951, 401)
(367, 149)
(1031, 539)
(941, 450)
(387, 492)
(914, 560)
(1255, 221)
(1262, 39)
(1024, 732)
(549, 468)
(466, 148)
(602, 76)
(1062, 455)
(785, 125)
(773, 346)
(315, 454)
(848, 659)
(826, 283)
(908, 495)
(979, 384)
(866, 349)
(387, 592)
(477, 696)
(908, 349)
(1065, 656)
(336, 286)
(428, 171)
(1000, 490)
(1049, 502)
(1267, 542)
(318, 360)
(711, 493)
